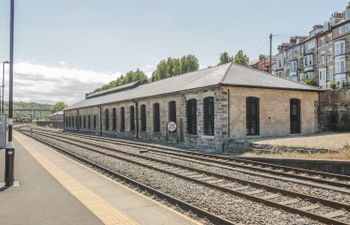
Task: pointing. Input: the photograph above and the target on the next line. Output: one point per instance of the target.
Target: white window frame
(343, 29)
(293, 66)
(339, 48)
(340, 66)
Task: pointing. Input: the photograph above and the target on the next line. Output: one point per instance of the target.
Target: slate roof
(114, 90)
(227, 74)
(247, 77)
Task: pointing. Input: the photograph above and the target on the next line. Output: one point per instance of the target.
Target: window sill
(192, 135)
(208, 136)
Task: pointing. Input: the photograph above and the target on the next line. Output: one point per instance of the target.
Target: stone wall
(180, 136)
(334, 110)
(274, 111)
(229, 116)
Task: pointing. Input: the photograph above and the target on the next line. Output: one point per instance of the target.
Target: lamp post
(3, 87)
(10, 148)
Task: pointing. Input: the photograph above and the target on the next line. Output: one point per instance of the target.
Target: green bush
(311, 82)
(332, 84)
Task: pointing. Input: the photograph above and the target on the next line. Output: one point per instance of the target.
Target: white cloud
(62, 63)
(44, 84)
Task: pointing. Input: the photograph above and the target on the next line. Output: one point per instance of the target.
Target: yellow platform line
(97, 205)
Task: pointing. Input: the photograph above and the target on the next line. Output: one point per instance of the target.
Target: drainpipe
(137, 117)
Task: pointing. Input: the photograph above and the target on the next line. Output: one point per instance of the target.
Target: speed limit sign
(171, 126)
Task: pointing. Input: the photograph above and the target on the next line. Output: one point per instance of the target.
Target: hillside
(29, 105)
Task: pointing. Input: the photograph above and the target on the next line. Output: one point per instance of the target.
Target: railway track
(331, 179)
(322, 210)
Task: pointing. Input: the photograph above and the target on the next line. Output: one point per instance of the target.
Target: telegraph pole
(271, 53)
(10, 148)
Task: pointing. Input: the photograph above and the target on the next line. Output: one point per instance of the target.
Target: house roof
(114, 90)
(246, 77)
(227, 74)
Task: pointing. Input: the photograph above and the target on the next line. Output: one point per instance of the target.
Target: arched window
(295, 118)
(89, 122)
(143, 117)
(122, 119)
(84, 121)
(72, 118)
(172, 111)
(208, 109)
(80, 122)
(156, 117)
(77, 121)
(95, 122)
(132, 118)
(106, 119)
(66, 121)
(191, 108)
(252, 116)
(114, 119)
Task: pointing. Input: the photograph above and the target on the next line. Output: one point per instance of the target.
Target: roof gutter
(273, 88)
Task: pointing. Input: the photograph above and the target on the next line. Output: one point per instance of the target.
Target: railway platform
(54, 189)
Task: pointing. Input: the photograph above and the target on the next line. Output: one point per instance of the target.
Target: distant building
(322, 58)
(263, 63)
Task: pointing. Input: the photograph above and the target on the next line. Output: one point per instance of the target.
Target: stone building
(214, 108)
(320, 58)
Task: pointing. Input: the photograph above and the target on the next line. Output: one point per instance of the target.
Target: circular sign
(171, 126)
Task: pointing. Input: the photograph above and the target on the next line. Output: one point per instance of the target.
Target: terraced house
(214, 108)
(322, 58)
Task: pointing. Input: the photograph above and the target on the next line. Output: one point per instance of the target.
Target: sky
(66, 48)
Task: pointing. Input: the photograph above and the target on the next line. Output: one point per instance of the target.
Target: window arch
(89, 122)
(95, 122)
(106, 119)
(122, 119)
(295, 117)
(114, 119)
(209, 116)
(156, 117)
(132, 118)
(172, 111)
(143, 117)
(252, 116)
(191, 109)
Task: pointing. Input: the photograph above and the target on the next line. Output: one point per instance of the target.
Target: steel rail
(237, 193)
(232, 161)
(173, 200)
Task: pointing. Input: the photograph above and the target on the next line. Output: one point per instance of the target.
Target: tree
(170, 67)
(225, 58)
(59, 106)
(241, 58)
(129, 77)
